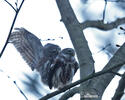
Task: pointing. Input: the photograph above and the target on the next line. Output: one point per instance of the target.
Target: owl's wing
(28, 45)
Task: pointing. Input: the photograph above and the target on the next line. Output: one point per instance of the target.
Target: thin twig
(16, 3)
(19, 89)
(116, 0)
(81, 81)
(104, 47)
(10, 5)
(122, 28)
(15, 85)
(17, 11)
(116, 73)
(104, 10)
(21, 5)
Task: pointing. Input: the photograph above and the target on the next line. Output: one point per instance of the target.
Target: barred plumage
(28, 45)
(55, 66)
(63, 69)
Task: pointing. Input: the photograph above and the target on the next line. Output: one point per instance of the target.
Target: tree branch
(10, 5)
(103, 81)
(14, 20)
(104, 11)
(69, 93)
(101, 25)
(15, 85)
(116, 0)
(120, 90)
(78, 39)
(116, 73)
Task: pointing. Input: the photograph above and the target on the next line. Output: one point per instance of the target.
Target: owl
(63, 69)
(55, 66)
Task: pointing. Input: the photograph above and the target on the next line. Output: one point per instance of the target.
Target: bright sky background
(43, 19)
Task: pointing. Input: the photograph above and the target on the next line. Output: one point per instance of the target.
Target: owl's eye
(69, 51)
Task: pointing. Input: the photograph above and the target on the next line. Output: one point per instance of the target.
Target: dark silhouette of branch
(116, 73)
(20, 90)
(17, 11)
(122, 28)
(69, 93)
(100, 25)
(16, 85)
(82, 80)
(104, 11)
(120, 90)
(104, 48)
(16, 3)
(10, 5)
(116, 0)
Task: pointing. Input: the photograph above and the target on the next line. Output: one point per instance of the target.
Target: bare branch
(116, 0)
(104, 10)
(100, 83)
(120, 90)
(116, 73)
(21, 5)
(122, 28)
(101, 25)
(15, 85)
(14, 20)
(104, 48)
(16, 3)
(69, 93)
(10, 5)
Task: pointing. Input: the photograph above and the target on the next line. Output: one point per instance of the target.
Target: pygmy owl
(55, 66)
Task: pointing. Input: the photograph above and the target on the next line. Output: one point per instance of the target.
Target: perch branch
(69, 93)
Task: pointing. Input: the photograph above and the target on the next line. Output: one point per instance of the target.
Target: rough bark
(100, 83)
(120, 90)
(100, 25)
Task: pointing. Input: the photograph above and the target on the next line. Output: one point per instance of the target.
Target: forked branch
(14, 20)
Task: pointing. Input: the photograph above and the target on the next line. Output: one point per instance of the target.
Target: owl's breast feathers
(63, 68)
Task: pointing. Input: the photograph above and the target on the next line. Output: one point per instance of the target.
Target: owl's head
(51, 50)
(68, 51)
(68, 54)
